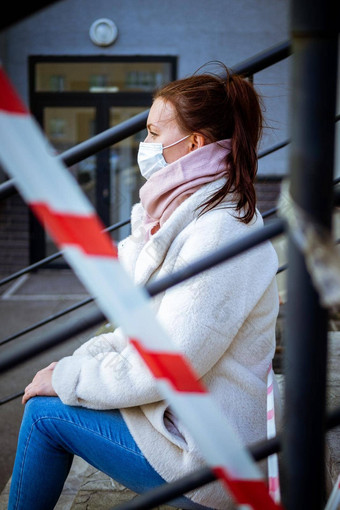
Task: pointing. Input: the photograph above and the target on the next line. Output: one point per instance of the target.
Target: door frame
(102, 102)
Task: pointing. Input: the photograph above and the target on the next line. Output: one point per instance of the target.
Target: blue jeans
(52, 432)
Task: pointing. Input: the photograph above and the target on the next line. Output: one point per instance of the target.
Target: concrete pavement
(23, 302)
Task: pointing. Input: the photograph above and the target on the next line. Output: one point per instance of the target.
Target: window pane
(101, 76)
(126, 178)
(65, 128)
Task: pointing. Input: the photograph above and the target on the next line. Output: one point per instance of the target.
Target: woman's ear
(196, 140)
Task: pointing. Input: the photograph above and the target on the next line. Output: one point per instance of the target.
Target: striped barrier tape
(273, 463)
(65, 212)
(333, 502)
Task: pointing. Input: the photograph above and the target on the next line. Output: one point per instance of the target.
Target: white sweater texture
(223, 320)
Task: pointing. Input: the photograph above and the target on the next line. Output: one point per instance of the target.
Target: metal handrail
(43, 262)
(6, 187)
(73, 308)
(68, 310)
(76, 306)
(89, 147)
(63, 333)
(47, 320)
(171, 490)
(137, 123)
(54, 256)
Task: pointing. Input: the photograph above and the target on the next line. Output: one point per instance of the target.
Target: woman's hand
(41, 384)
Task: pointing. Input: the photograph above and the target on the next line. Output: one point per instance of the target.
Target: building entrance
(74, 99)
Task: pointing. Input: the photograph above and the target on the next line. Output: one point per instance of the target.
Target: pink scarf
(169, 187)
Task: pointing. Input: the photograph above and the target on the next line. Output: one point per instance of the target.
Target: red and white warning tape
(70, 219)
(273, 464)
(334, 499)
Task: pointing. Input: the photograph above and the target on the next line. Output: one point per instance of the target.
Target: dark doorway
(75, 98)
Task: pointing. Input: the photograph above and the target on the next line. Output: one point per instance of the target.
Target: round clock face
(103, 32)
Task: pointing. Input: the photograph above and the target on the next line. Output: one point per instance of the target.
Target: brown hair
(221, 108)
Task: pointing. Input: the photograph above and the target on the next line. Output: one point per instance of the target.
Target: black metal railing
(131, 126)
(203, 476)
(55, 256)
(114, 135)
(89, 300)
(34, 346)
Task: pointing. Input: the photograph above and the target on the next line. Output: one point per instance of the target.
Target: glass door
(76, 98)
(125, 177)
(65, 128)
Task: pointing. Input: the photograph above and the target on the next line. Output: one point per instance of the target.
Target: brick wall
(267, 192)
(14, 235)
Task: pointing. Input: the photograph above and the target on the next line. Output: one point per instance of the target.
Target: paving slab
(100, 492)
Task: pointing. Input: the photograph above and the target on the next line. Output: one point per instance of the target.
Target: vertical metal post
(314, 42)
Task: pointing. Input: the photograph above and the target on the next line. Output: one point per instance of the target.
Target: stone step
(70, 491)
(97, 491)
(88, 488)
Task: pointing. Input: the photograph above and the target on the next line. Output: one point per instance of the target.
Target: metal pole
(314, 41)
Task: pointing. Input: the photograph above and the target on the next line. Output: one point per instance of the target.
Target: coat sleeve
(201, 315)
(102, 374)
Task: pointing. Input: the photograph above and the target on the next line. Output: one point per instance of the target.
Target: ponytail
(222, 108)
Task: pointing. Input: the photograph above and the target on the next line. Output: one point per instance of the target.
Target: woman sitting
(199, 160)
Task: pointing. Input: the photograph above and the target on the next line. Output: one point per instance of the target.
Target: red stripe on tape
(269, 389)
(248, 492)
(9, 99)
(72, 229)
(270, 414)
(273, 482)
(172, 367)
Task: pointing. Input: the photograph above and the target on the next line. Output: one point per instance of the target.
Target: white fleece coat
(223, 320)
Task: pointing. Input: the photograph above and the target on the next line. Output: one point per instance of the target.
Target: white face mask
(150, 157)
